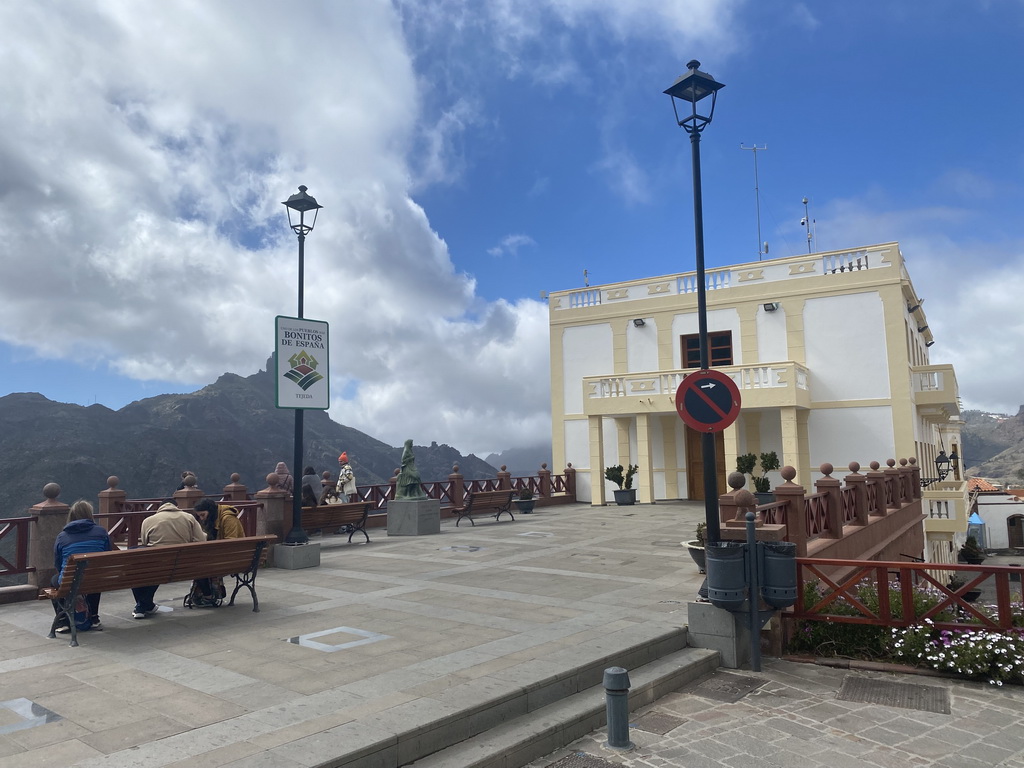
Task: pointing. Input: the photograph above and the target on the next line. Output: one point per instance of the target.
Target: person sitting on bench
(168, 525)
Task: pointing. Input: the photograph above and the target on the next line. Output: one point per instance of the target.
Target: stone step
(521, 740)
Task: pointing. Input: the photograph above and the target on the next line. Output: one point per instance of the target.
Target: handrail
(14, 534)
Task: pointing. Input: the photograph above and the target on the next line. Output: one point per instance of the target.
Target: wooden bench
(349, 518)
(85, 574)
(490, 502)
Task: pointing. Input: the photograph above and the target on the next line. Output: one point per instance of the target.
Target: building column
(668, 440)
(596, 460)
(731, 446)
(645, 475)
(791, 441)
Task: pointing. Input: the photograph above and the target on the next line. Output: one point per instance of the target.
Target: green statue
(408, 484)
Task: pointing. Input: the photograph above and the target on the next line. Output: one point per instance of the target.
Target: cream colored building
(829, 351)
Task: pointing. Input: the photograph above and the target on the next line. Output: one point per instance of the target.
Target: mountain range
(994, 446)
(229, 426)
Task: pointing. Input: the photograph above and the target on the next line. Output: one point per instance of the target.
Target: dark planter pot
(972, 596)
(764, 498)
(972, 559)
(625, 496)
(525, 505)
(696, 550)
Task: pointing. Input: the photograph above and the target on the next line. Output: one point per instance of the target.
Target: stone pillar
(457, 484)
(235, 491)
(504, 479)
(878, 479)
(916, 478)
(111, 499)
(796, 517)
(833, 504)
(858, 483)
(188, 496)
(907, 481)
(545, 480)
(570, 481)
(892, 476)
(276, 512)
(51, 516)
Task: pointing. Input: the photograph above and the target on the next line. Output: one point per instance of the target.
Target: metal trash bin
(727, 577)
(778, 575)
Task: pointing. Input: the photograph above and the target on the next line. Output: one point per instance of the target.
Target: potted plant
(524, 500)
(696, 547)
(626, 493)
(956, 583)
(971, 553)
(745, 465)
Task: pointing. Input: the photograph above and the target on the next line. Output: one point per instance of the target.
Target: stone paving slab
(794, 720)
(388, 635)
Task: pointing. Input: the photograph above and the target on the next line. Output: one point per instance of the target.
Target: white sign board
(301, 359)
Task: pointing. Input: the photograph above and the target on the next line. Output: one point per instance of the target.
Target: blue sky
(469, 156)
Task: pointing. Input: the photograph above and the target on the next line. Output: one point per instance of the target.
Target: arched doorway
(1015, 531)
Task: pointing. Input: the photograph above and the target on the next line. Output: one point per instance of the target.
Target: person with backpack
(218, 521)
(168, 525)
(80, 534)
(346, 488)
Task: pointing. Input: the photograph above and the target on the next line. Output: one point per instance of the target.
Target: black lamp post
(942, 465)
(301, 203)
(693, 87)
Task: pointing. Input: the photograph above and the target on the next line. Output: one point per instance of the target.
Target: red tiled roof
(980, 484)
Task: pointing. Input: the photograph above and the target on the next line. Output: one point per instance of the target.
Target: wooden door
(695, 464)
(1015, 531)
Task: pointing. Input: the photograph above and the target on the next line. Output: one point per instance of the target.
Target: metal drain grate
(658, 722)
(583, 760)
(723, 686)
(926, 698)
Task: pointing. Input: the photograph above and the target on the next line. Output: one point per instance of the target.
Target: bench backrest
(489, 498)
(327, 515)
(105, 571)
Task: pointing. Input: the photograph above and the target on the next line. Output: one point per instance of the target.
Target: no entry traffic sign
(708, 401)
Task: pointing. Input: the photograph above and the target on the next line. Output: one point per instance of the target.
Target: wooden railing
(125, 527)
(14, 535)
(838, 581)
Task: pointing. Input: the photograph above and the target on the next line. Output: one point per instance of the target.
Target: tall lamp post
(302, 204)
(693, 87)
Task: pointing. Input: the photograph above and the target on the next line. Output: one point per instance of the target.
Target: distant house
(830, 352)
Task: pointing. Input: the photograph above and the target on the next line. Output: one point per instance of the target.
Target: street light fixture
(693, 87)
(302, 204)
(942, 465)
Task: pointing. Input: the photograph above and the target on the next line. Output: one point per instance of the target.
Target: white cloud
(510, 245)
(145, 156)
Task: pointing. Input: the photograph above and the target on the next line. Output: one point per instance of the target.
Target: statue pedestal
(414, 517)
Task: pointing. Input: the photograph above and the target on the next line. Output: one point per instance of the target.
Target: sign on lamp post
(301, 359)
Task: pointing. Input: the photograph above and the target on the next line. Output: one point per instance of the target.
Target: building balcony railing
(761, 386)
(835, 264)
(935, 391)
(946, 504)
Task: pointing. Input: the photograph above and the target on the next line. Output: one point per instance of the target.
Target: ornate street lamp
(302, 204)
(693, 87)
(942, 465)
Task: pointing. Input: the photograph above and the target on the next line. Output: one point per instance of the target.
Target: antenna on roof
(761, 251)
(811, 225)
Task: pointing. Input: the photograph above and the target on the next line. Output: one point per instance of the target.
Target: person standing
(168, 525)
(80, 534)
(346, 479)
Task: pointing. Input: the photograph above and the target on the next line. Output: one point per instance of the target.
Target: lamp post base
(292, 557)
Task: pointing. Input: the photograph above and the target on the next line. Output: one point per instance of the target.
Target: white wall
(641, 347)
(846, 351)
(995, 510)
(586, 351)
(771, 335)
(841, 435)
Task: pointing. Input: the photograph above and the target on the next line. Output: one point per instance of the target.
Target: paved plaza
(392, 650)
